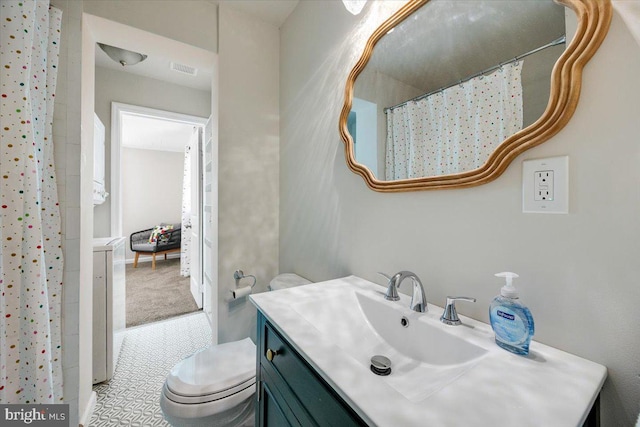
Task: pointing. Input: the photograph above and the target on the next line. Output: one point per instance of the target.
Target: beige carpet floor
(158, 294)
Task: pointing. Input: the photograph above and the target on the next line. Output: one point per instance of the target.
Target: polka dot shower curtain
(31, 267)
(454, 130)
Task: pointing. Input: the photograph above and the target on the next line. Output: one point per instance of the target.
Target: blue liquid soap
(510, 319)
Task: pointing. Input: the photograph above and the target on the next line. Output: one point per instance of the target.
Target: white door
(196, 217)
(210, 223)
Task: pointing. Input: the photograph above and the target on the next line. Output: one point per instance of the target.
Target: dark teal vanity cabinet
(289, 391)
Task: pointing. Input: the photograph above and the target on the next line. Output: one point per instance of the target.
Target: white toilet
(216, 385)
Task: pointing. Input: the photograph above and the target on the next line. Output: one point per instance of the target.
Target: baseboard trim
(88, 411)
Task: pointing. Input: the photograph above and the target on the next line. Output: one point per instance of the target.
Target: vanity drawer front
(292, 375)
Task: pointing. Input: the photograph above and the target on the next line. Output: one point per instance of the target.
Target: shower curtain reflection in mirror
(454, 130)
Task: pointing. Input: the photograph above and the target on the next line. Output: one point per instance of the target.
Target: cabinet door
(272, 413)
(301, 391)
(99, 317)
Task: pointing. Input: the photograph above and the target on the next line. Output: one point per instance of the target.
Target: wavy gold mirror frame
(593, 19)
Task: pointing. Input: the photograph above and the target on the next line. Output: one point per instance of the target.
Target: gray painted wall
(120, 86)
(248, 164)
(151, 191)
(579, 272)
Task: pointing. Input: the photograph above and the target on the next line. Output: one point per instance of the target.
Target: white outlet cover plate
(560, 199)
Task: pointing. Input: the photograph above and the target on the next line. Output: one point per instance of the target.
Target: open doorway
(171, 87)
(156, 176)
(175, 77)
(169, 96)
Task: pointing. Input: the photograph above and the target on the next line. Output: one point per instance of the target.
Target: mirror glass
(451, 82)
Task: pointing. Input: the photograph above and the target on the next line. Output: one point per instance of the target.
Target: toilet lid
(214, 369)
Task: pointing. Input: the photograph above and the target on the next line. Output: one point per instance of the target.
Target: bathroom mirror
(447, 93)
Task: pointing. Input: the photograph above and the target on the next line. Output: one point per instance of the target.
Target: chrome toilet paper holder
(239, 275)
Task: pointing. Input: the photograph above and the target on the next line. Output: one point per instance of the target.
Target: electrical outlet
(545, 185)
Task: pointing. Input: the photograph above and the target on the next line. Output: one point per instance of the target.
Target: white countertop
(549, 387)
(106, 243)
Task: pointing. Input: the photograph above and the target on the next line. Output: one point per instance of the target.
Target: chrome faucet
(418, 299)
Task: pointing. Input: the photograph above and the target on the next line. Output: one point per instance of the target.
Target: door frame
(197, 279)
(118, 109)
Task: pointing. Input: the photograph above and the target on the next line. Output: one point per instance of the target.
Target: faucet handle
(450, 316)
(392, 291)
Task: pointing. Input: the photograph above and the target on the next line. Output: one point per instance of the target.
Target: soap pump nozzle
(508, 290)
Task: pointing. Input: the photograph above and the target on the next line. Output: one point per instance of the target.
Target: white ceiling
(149, 133)
(162, 51)
(157, 66)
(272, 11)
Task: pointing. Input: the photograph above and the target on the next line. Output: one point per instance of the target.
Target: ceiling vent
(184, 69)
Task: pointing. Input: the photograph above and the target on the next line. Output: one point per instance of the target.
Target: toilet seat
(216, 372)
(233, 394)
(228, 411)
(215, 383)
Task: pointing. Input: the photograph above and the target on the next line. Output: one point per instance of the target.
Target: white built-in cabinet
(99, 192)
(109, 314)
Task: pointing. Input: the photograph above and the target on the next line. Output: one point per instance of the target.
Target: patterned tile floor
(132, 397)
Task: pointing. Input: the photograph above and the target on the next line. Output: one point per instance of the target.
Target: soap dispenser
(510, 319)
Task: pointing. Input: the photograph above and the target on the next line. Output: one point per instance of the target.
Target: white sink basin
(424, 356)
(420, 339)
(441, 375)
